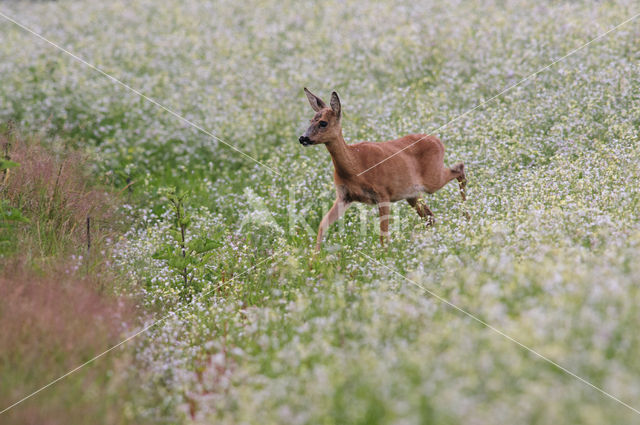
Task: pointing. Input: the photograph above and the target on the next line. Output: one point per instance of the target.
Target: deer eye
(323, 123)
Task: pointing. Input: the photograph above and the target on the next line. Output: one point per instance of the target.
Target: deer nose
(304, 140)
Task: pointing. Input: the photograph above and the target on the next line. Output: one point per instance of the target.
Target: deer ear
(335, 104)
(315, 102)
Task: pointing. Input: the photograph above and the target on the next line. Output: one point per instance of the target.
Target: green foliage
(186, 255)
(9, 216)
(6, 164)
(9, 219)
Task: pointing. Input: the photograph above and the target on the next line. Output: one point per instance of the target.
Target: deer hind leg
(385, 209)
(458, 171)
(422, 209)
(336, 211)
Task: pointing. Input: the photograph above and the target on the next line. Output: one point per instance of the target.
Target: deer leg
(422, 209)
(458, 172)
(384, 208)
(336, 211)
(462, 183)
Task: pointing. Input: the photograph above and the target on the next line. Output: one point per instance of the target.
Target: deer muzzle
(305, 141)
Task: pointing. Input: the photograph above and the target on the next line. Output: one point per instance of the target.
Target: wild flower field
(266, 333)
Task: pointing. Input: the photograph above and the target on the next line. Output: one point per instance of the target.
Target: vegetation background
(264, 332)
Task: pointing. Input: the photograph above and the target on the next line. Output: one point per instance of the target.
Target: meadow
(261, 330)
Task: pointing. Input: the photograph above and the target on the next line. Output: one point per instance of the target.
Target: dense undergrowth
(269, 334)
(58, 307)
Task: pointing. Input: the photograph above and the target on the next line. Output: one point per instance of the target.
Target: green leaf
(178, 263)
(9, 213)
(5, 164)
(176, 235)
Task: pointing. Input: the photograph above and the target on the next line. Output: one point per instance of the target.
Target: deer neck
(342, 159)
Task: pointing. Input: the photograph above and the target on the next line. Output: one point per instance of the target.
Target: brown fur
(406, 167)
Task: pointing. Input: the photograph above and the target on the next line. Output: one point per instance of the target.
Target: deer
(378, 173)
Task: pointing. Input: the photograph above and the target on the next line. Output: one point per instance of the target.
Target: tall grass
(58, 307)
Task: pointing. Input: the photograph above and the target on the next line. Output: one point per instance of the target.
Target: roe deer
(378, 173)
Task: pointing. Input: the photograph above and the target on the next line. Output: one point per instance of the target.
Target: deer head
(325, 124)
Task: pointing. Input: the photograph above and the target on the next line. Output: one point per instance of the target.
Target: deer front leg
(384, 208)
(336, 211)
(422, 209)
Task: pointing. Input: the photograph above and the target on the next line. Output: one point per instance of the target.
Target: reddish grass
(53, 187)
(54, 316)
(50, 325)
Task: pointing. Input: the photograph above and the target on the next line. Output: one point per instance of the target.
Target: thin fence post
(88, 235)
